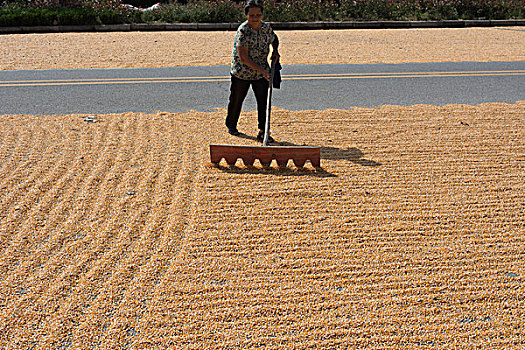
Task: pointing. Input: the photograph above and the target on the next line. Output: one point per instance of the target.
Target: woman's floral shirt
(258, 43)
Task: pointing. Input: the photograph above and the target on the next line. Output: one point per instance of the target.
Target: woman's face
(254, 16)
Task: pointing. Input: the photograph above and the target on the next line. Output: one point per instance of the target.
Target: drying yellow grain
(120, 234)
(166, 49)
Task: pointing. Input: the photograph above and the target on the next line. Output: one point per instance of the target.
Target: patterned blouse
(258, 43)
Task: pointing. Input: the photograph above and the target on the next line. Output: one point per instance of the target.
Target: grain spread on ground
(166, 49)
(117, 232)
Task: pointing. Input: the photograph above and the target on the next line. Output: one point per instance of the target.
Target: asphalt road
(180, 89)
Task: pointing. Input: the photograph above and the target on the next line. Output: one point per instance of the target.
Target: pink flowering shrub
(322, 10)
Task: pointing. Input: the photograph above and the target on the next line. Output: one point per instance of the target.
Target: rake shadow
(351, 154)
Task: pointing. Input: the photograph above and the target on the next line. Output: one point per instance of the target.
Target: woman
(250, 67)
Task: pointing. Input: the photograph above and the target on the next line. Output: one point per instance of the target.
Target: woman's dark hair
(253, 3)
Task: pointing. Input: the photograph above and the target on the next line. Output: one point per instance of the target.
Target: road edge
(275, 25)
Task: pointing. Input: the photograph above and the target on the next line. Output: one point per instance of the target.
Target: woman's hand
(266, 75)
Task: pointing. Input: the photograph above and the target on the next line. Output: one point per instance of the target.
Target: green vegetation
(75, 12)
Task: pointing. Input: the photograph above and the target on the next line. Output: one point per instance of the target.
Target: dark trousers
(238, 91)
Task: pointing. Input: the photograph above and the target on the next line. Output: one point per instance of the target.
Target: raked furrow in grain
(42, 205)
(132, 320)
(58, 231)
(141, 240)
(16, 142)
(120, 224)
(53, 207)
(23, 191)
(51, 263)
(98, 246)
(43, 154)
(75, 303)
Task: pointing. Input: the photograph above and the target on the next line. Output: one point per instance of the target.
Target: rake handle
(269, 105)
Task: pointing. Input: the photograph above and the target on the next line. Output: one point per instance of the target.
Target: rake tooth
(215, 158)
(299, 162)
(316, 162)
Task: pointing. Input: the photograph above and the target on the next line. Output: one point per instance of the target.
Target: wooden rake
(266, 153)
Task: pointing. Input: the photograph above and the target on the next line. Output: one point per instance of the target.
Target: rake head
(265, 155)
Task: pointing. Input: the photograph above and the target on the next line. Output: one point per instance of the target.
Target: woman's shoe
(260, 137)
(233, 132)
